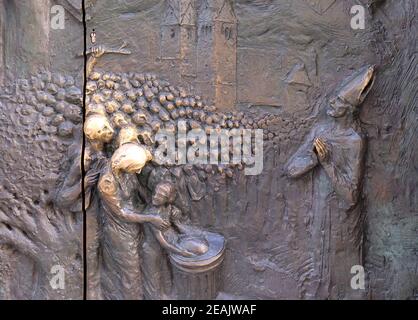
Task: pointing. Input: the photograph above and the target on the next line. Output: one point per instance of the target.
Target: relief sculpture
(337, 147)
(142, 233)
(208, 149)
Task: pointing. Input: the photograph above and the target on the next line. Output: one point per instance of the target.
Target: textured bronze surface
(337, 108)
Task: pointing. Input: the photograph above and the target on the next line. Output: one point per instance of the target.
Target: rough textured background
(40, 126)
(264, 217)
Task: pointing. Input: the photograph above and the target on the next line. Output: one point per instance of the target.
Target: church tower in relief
(179, 40)
(199, 48)
(217, 52)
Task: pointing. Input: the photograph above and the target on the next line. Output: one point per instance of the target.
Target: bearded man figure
(99, 132)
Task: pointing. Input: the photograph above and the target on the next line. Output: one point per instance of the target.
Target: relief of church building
(199, 43)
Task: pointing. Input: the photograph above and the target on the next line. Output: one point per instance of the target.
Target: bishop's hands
(322, 149)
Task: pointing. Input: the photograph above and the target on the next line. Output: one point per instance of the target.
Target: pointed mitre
(355, 89)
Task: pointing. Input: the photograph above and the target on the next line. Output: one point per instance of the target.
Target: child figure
(159, 243)
(162, 205)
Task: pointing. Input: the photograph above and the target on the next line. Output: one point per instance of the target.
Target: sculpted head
(95, 108)
(130, 158)
(98, 128)
(119, 120)
(127, 134)
(338, 107)
(164, 193)
(352, 93)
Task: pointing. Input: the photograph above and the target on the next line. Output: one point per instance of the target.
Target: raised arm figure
(96, 52)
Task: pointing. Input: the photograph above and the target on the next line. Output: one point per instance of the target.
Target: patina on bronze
(332, 215)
